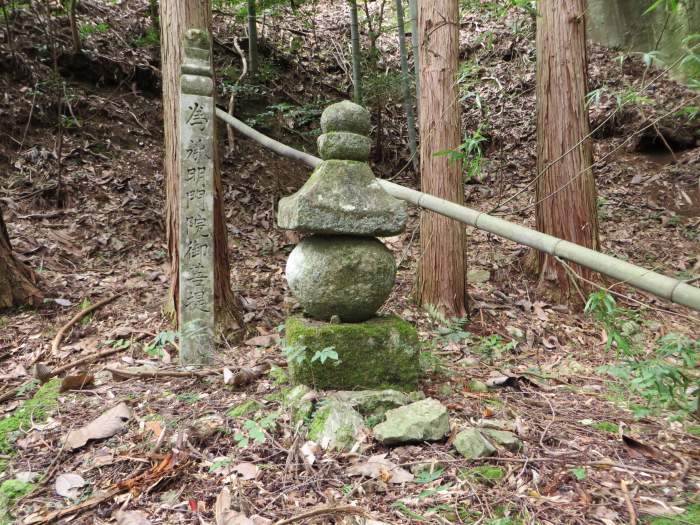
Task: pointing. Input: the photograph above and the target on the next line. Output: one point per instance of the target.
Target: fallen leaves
(68, 485)
(378, 467)
(105, 426)
(131, 517)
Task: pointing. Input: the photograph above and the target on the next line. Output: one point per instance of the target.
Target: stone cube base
(379, 353)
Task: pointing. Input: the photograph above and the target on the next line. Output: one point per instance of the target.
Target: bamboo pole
(662, 286)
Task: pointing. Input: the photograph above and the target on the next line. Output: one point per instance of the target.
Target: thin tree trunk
(74, 27)
(17, 281)
(356, 57)
(252, 38)
(566, 193)
(175, 18)
(413, 9)
(441, 280)
(153, 13)
(406, 85)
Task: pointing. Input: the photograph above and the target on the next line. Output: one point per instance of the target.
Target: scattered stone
(424, 420)
(478, 276)
(515, 332)
(477, 386)
(336, 426)
(498, 424)
(300, 402)
(340, 275)
(379, 353)
(375, 403)
(472, 445)
(205, 427)
(507, 440)
(343, 197)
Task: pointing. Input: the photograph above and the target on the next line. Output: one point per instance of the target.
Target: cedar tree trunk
(17, 281)
(175, 18)
(566, 194)
(441, 277)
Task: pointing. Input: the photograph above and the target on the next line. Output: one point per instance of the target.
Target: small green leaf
(579, 473)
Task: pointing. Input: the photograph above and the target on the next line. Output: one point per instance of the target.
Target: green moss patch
(247, 407)
(485, 474)
(376, 354)
(10, 491)
(691, 515)
(35, 409)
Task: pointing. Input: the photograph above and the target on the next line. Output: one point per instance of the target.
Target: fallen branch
(345, 509)
(79, 362)
(56, 343)
(243, 377)
(73, 509)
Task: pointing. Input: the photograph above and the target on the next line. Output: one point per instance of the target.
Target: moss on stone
(36, 409)
(242, 409)
(376, 354)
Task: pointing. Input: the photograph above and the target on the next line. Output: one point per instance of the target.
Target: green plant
(494, 346)
(189, 397)
(156, 347)
(470, 153)
(325, 354)
(150, 37)
(86, 30)
(664, 380)
(603, 307)
(84, 305)
(119, 344)
(254, 429)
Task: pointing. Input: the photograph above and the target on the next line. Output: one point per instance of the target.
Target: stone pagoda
(341, 274)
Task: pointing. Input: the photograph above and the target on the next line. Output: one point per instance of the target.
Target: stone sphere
(346, 116)
(347, 276)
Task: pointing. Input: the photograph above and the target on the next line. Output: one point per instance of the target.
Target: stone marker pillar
(343, 273)
(196, 201)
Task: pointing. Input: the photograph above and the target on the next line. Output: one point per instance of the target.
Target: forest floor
(598, 448)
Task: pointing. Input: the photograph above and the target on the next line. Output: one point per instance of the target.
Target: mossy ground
(45, 400)
(10, 491)
(379, 353)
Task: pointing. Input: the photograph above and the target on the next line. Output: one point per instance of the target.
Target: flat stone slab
(343, 197)
(425, 420)
(381, 353)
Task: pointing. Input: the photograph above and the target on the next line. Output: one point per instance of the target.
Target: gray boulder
(507, 440)
(336, 426)
(424, 420)
(472, 445)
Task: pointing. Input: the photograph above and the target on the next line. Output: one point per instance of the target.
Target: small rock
(424, 420)
(515, 332)
(507, 440)
(374, 403)
(472, 445)
(478, 276)
(336, 426)
(498, 424)
(346, 116)
(477, 386)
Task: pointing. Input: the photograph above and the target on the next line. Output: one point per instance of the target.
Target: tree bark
(75, 35)
(413, 9)
(441, 280)
(17, 281)
(406, 86)
(356, 57)
(252, 38)
(566, 193)
(175, 18)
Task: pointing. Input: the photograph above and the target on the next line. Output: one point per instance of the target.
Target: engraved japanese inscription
(196, 201)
